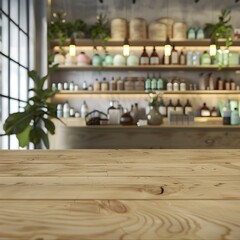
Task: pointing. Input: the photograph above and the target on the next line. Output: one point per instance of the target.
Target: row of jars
(159, 29)
(149, 84)
(120, 84)
(207, 82)
(65, 110)
(82, 59)
(189, 58)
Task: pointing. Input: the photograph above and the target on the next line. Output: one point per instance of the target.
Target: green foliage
(154, 100)
(60, 29)
(26, 125)
(57, 29)
(222, 29)
(100, 30)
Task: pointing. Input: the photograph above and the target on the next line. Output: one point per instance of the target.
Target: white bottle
(84, 109)
(59, 111)
(169, 86)
(59, 86)
(76, 87)
(182, 86)
(65, 86)
(71, 112)
(176, 86)
(71, 86)
(66, 110)
(84, 86)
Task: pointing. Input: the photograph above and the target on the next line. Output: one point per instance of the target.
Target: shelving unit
(197, 96)
(147, 68)
(210, 92)
(140, 43)
(205, 133)
(114, 43)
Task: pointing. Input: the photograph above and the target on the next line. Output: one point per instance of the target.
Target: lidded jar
(138, 29)
(157, 31)
(119, 28)
(169, 23)
(176, 85)
(179, 31)
(119, 60)
(83, 59)
(107, 60)
(183, 85)
(70, 60)
(169, 85)
(132, 60)
(58, 58)
(96, 60)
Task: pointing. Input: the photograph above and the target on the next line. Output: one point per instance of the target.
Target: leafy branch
(222, 29)
(100, 30)
(26, 125)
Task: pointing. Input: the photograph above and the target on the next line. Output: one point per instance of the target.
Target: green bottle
(191, 33)
(160, 83)
(200, 33)
(148, 83)
(205, 58)
(96, 60)
(154, 83)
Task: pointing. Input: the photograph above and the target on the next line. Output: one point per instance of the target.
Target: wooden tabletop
(120, 194)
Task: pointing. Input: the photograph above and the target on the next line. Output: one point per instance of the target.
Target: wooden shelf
(147, 68)
(224, 92)
(139, 43)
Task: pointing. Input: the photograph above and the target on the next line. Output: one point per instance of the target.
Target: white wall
(194, 14)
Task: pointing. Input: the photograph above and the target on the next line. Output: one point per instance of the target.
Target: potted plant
(61, 30)
(100, 30)
(28, 125)
(153, 116)
(222, 29)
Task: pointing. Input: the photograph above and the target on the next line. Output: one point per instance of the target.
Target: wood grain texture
(158, 137)
(117, 219)
(122, 187)
(120, 194)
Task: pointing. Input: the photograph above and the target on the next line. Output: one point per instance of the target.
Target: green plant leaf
(52, 69)
(23, 137)
(34, 76)
(35, 135)
(44, 138)
(17, 122)
(42, 81)
(49, 125)
(26, 124)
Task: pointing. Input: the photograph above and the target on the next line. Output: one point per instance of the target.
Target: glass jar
(183, 86)
(175, 85)
(169, 86)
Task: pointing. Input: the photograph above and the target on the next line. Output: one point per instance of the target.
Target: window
(14, 62)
